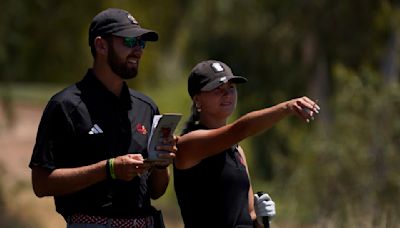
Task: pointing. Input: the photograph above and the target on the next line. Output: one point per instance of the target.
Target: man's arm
(65, 181)
(69, 180)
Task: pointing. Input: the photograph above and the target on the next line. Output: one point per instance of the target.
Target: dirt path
(16, 146)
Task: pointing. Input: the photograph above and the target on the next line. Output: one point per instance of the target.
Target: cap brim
(146, 34)
(222, 80)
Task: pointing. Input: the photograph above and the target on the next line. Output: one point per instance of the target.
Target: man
(91, 142)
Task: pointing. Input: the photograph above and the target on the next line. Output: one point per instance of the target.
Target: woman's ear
(197, 103)
(196, 100)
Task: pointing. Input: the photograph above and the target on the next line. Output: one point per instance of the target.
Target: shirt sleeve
(52, 129)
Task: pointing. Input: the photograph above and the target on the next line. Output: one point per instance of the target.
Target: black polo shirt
(86, 123)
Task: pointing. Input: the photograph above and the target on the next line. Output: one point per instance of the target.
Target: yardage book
(163, 126)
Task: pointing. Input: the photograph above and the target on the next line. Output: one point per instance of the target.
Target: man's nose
(137, 51)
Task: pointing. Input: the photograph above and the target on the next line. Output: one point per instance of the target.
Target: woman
(210, 171)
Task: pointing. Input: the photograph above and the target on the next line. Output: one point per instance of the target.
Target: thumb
(256, 197)
(265, 197)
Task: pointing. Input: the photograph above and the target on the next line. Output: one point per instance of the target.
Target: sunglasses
(132, 42)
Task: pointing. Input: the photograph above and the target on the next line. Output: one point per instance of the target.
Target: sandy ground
(16, 146)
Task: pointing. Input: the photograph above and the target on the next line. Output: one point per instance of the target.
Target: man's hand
(264, 206)
(128, 166)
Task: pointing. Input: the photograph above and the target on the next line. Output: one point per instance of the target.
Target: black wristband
(108, 169)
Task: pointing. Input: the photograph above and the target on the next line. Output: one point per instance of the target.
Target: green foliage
(347, 169)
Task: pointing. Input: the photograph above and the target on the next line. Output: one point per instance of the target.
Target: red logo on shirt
(141, 129)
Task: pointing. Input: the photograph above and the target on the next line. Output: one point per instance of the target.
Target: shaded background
(342, 170)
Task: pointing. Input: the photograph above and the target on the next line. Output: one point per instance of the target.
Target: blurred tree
(58, 49)
(340, 171)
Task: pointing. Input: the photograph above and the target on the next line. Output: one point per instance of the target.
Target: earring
(198, 108)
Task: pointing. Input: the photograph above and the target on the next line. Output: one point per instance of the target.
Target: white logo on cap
(132, 19)
(223, 79)
(217, 67)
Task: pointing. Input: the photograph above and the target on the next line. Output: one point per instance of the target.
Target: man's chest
(112, 132)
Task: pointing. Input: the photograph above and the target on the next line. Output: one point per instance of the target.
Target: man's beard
(118, 66)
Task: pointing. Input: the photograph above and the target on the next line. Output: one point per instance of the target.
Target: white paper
(163, 127)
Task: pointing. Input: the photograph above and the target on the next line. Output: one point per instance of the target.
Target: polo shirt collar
(103, 95)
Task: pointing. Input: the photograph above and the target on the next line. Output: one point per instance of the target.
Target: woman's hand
(303, 107)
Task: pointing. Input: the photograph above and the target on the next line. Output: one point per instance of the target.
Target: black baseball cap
(118, 22)
(210, 74)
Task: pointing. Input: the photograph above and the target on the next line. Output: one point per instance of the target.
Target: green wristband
(108, 173)
(111, 167)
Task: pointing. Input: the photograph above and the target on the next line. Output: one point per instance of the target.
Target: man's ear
(101, 45)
